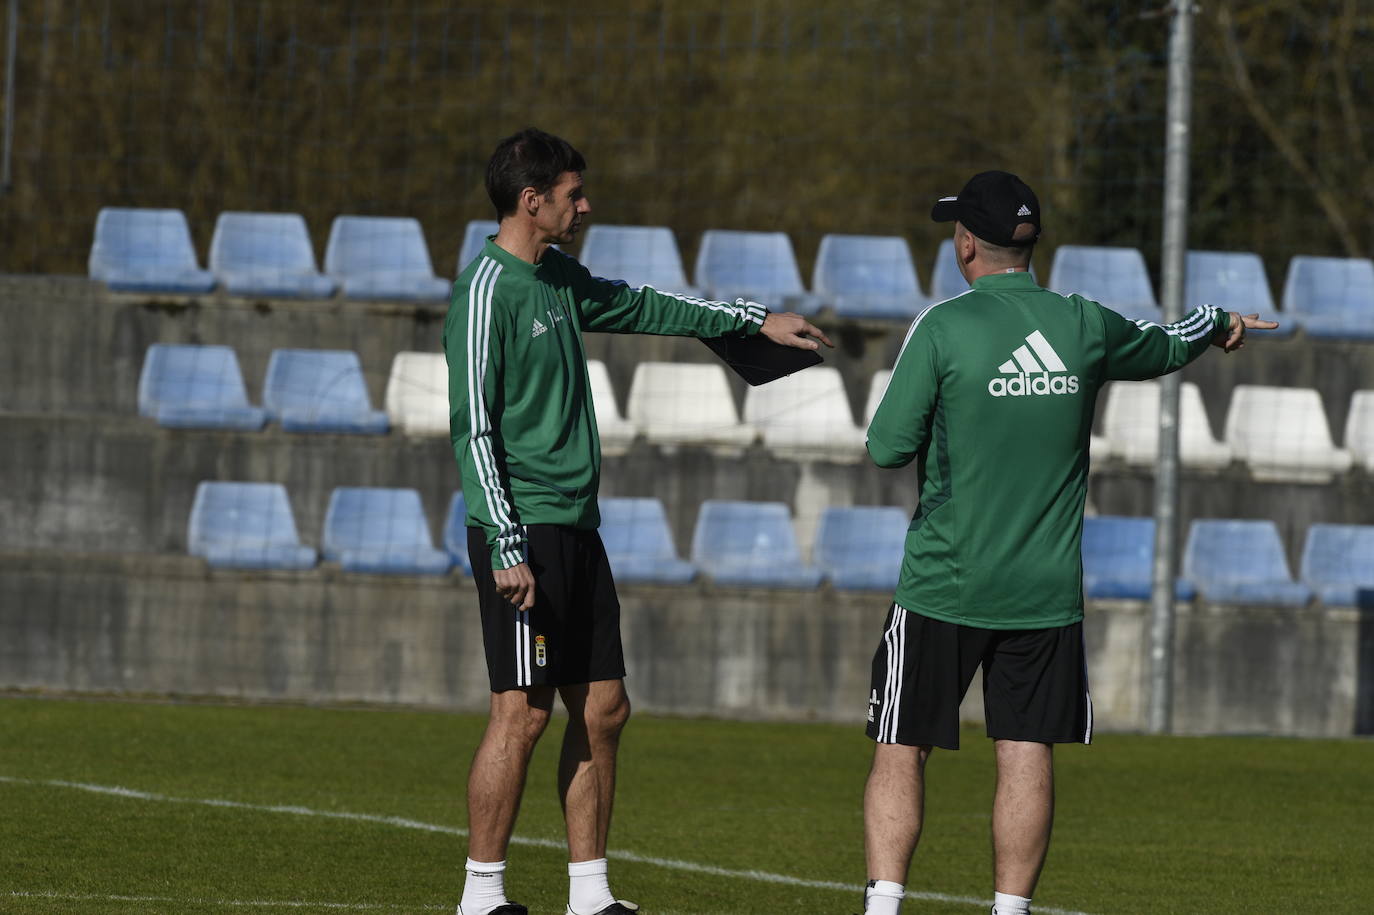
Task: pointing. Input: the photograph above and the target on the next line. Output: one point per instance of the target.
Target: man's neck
(522, 240)
(977, 271)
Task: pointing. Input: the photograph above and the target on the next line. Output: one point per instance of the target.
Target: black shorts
(1035, 682)
(572, 634)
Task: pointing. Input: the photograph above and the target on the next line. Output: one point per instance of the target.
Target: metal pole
(1166, 475)
(11, 42)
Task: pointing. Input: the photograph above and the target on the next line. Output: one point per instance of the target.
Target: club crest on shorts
(541, 655)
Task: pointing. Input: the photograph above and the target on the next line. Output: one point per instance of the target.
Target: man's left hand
(793, 330)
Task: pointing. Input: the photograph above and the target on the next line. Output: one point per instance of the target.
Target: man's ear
(967, 245)
(530, 200)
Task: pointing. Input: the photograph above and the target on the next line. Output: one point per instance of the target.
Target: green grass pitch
(361, 810)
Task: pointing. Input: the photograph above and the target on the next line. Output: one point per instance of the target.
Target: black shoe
(619, 907)
(510, 908)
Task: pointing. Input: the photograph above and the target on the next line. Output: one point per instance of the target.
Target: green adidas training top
(993, 395)
(520, 409)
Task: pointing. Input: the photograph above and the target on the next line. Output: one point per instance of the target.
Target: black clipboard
(759, 360)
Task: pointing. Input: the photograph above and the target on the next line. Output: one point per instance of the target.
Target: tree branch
(1326, 198)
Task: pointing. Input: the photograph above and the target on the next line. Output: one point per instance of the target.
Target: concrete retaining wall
(122, 484)
(72, 346)
(164, 624)
(96, 594)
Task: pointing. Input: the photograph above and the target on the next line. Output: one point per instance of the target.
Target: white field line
(404, 823)
(230, 903)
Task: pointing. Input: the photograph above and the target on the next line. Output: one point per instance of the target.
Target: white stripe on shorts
(895, 640)
(522, 634)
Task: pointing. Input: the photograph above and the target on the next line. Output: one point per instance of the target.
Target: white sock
(485, 887)
(589, 889)
(1007, 904)
(883, 897)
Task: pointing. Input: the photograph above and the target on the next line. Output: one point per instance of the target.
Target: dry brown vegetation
(806, 117)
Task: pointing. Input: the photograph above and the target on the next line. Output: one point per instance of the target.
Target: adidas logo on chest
(539, 328)
(1034, 369)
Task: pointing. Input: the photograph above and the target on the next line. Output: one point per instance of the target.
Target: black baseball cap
(991, 206)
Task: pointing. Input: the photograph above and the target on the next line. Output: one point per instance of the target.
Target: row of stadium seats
(250, 525)
(1280, 433)
(368, 529)
(271, 254)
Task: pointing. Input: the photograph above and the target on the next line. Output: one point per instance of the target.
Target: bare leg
(1022, 814)
(497, 778)
(894, 805)
(597, 713)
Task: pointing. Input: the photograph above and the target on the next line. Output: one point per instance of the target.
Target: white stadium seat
(876, 386)
(417, 394)
(1131, 424)
(1282, 434)
(677, 404)
(1359, 429)
(615, 431)
(806, 415)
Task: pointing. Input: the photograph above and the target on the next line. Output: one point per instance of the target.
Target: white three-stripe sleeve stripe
(479, 342)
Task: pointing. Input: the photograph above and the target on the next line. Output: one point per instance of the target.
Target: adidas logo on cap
(1035, 370)
(1024, 211)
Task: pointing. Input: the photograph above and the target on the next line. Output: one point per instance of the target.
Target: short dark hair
(1018, 255)
(530, 158)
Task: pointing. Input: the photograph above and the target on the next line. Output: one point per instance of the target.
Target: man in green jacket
(992, 395)
(525, 437)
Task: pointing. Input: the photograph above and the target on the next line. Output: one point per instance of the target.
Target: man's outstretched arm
(1137, 350)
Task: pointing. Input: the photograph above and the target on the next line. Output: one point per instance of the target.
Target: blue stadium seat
(639, 255)
(1114, 277)
(456, 533)
(758, 266)
(1338, 563)
(1241, 562)
(474, 237)
(266, 254)
(1118, 559)
(185, 386)
(380, 257)
(381, 530)
(750, 544)
(1232, 281)
(945, 279)
(640, 545)
(246, 526)
(316, 390)
(860, 548)
(138, 250)
(868, 276)
(1331, 296)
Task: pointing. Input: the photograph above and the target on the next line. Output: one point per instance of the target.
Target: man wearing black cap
(993, 395)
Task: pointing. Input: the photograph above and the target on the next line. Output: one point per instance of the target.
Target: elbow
(887, 458)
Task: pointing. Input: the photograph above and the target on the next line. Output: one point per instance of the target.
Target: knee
(519, 724)
(607, 719)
